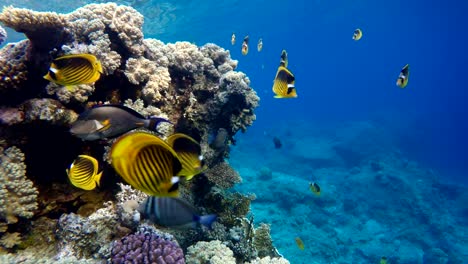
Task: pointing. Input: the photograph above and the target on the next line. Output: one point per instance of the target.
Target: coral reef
(263, 242)
(196, 88)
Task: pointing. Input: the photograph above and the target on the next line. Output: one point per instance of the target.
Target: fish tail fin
(155, 121)
(207, 220)
(98, 178)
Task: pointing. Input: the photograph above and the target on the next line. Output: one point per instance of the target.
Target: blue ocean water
(381, 154)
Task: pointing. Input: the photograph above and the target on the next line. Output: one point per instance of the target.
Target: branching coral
(17, 193)
(10, 240)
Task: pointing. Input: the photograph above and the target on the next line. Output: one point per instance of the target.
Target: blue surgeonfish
(173, 212)
(74, 69)
(107, 121)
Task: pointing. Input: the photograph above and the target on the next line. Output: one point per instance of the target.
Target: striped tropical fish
(83, 172)
(189, 152)
(147, 163)
(74, 69)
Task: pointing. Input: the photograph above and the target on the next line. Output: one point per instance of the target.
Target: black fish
(175, 212)
(221, 140)
(277, 143)
(107, 121)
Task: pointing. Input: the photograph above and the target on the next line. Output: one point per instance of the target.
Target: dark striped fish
(74, 69)
(173, 212)
(283, 85)
(147, 163)
(189, 152)
(83, 172)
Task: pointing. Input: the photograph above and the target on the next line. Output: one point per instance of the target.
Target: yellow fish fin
(105, 125)
(97, 178)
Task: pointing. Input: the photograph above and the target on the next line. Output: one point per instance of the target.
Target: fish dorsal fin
(129, 110)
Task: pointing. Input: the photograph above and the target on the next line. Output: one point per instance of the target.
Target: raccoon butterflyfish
(189, 152)
(74, 69)
(173, 212)
(83, 172)
(260, 45)
(107, 121)
(299, 243)
(245, 45)
(147, 163)
(357, 34)
(383, 260)
(402, 80)
(233, 39)
(283, 85)
(315, 188)
(284, 59)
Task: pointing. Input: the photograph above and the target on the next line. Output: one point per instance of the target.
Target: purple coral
(146, 248)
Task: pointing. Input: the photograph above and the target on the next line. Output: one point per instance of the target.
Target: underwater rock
(263, 242)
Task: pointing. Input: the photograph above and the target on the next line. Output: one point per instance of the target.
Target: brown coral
(17, 193)
(13, 69)
(223, 175)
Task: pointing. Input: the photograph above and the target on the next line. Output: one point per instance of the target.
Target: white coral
(213, 252)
